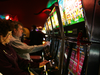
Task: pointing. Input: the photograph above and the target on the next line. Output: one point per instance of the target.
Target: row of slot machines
(74, 48)
(66, 63)
(53, 53)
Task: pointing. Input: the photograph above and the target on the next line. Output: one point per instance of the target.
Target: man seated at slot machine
(10, 62)
(22, 49)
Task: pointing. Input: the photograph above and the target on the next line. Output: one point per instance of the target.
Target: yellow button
(56, 67)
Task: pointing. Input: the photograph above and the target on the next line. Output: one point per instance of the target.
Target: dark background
(25, 10)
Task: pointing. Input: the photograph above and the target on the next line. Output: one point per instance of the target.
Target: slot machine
(49, 31)
(76, 38)
(46, 31)
(54, 67)
(51, 36)
(92, 10)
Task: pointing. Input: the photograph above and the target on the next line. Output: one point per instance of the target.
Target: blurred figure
(41, 35)
(10, 62)
(34, 36)
(23, 49)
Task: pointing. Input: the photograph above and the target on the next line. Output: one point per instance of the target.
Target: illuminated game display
(49, 23)
(54, 18)
(44, 29)
(71, 11)
(73, 61)
(47, 27)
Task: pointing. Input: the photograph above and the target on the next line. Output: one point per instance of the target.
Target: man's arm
(20, 47)
(24, 48)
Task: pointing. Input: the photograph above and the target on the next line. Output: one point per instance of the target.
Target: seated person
(36, 37)
(10, 62)
(22, 49)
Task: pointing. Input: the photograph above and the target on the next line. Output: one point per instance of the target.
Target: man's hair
(5, 26)
(16, 23)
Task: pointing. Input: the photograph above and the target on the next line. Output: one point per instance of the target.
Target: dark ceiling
(25, 9)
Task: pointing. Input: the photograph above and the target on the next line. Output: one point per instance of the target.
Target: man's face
(19, 31)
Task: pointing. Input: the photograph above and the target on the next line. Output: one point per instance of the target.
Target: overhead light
(7, 17)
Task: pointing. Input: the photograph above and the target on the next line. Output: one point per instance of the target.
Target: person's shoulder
(12, 39)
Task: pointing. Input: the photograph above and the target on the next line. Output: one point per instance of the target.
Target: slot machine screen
(73, 60)
(54, 18)
(49, 23)
(44, 29)
(47, 28)
(71, 12)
